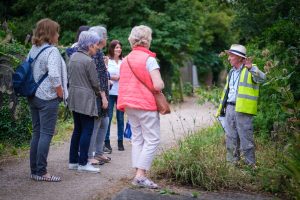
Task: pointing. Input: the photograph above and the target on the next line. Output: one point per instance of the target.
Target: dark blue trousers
(80, 141)
(120, 118)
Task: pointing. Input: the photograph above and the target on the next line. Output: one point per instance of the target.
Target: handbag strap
(137, 76)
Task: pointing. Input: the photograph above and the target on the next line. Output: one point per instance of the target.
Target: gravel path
(14, 175)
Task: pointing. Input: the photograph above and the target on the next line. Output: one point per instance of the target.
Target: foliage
(183, 30)
(211, 95)
(15, 121)
(15, 131)
(254, 17)
(292, 166)
(199, 160)
(188, 89)
(216, 34)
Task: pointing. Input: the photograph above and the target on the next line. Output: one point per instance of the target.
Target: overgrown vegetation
(15, 123)
(270, 30)
(199, 160)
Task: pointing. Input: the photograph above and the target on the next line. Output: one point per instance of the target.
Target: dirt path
(14, 176)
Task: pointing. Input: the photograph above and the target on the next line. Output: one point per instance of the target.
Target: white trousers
(145, 127)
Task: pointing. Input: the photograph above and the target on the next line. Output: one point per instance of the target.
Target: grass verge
(62, 133)
(199, 160)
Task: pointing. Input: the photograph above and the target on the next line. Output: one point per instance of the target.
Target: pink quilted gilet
(132, 93)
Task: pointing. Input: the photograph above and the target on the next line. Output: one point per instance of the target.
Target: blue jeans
(44, 116)
(120, 118)
(80, 141)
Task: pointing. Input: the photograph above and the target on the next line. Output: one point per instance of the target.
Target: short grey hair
(87, 38)
(101, 31)
(140, 36)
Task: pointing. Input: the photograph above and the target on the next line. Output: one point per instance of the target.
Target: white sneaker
(88, 168)
(73, 166)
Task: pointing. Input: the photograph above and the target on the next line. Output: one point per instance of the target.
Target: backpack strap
(31, 60)
(43, 78)
(41, 52)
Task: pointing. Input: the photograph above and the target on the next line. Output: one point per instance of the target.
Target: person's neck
(116, 58)
(238, 66)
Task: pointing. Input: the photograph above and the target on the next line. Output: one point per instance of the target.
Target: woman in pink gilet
(139, 74)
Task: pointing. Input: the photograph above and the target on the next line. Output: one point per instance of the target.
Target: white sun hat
(238, 50)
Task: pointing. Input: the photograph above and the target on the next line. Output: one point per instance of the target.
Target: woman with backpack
(44, 104)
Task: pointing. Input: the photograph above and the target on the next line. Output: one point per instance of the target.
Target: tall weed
(200, 160)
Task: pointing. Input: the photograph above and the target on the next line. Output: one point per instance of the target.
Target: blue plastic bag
(127, 132)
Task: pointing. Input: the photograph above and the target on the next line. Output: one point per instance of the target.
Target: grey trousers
(98, 136)
(44, 116)
(239, 136)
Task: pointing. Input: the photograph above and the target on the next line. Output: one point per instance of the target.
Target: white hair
(101, 31)
(88, 38)
(140, 36)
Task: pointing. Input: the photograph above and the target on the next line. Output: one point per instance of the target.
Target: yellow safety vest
(247, 95)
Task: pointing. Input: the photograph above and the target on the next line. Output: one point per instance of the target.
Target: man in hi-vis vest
(239, 104)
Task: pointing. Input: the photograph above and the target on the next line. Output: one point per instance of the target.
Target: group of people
(91, 84)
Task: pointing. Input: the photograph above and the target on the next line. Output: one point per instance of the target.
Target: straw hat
(238, 50)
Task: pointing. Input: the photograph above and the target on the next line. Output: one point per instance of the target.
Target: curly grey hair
(140, 36)
(88, 38)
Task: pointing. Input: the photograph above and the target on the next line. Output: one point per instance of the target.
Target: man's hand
(248, 63)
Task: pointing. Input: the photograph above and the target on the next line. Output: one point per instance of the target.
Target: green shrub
(15, 128)
(188, 89)
(15, 118)
(212, 95)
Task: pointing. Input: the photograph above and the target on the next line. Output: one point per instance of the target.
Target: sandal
(103, 158)
(94, 161)
(144, 182)
(48, 179)
(99, 162)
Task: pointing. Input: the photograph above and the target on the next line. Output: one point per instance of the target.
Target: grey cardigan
(83, 84)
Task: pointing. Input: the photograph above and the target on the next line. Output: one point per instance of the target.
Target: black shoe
(107, 144)
(120, 145)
